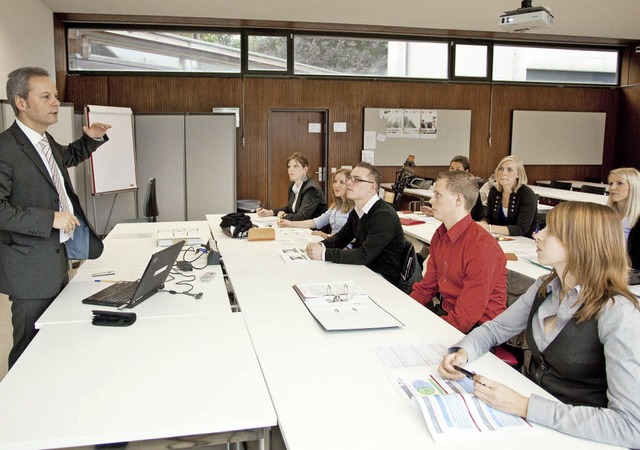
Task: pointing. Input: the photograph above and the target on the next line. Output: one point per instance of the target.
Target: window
(322, 55)
(267, 53)
(149, 51)
(554, 65)
(276, 52)
(471, 60)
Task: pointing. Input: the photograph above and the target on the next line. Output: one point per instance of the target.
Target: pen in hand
(468, 374)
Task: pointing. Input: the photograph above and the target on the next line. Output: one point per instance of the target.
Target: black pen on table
(468, 374)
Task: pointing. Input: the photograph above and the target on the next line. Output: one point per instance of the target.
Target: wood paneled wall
(345, 101)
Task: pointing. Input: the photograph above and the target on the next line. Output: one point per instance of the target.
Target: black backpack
(236, 225)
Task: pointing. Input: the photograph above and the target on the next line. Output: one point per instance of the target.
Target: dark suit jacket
(29, 245)
(310, 204)
(522, 213)
(377, 242)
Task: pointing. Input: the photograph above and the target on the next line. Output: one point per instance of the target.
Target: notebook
(127, 294)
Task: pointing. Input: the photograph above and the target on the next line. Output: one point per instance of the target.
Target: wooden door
(289, 132)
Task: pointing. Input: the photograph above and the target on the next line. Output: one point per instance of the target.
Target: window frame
(291, 34)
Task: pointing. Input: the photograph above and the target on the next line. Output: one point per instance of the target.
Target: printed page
(449, 408)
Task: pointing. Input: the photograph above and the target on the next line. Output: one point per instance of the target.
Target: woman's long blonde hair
(347, 204)
(596, 255)
(632, 206)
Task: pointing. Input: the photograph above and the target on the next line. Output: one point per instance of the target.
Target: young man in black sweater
(373, 229)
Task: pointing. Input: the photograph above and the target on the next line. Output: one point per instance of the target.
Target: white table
(575, 184)
(127, 251)
(564, 195)
(78, 384)
(428, 193)
(329, 389)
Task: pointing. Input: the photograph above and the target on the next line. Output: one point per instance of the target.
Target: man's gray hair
(18, 83)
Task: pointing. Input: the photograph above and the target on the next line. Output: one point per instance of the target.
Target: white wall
(26, 38)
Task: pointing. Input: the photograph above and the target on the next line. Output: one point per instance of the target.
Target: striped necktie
(55, 175)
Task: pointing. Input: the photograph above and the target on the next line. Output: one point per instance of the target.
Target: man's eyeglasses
(356, 180)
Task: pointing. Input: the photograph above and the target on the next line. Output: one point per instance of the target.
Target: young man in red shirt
(466, 266)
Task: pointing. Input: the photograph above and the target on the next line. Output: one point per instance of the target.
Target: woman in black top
(512, 206)
(624, 198)
(306, 200)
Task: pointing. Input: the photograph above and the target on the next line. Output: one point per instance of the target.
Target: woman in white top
(337, 214)
(583, 328)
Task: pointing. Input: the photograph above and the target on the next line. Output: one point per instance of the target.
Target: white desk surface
(428, 193)
(575, 184)
(78, 384)
(329, 389)
(127, 251)
(564, 195)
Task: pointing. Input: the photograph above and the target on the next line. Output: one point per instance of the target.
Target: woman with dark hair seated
(583, 327)
(512, 206)
(306, 200)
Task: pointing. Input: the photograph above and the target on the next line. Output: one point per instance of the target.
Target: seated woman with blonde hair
(512, 206)
(582, 325)
(337, 214)
(624, 198)
(306, 199)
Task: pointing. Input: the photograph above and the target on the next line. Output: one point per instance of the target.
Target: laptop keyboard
(118, 294)
(125, 294)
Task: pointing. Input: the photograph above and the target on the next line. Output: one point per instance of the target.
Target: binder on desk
(343, 306)
(407, 221)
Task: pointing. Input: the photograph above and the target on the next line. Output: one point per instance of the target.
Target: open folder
(343, 306)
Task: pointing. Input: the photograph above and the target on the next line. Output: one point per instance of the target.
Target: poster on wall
(411, 123)
(395, 122)
(428, 123)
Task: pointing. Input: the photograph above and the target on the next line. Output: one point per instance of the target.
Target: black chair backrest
(593, 189)
(150, 201)
(561, 185)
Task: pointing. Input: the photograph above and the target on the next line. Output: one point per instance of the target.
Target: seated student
(624, 198)
(461, 163)
(373, 229)
(337, 214)
(582, 326)
(306, 199)
(466, 267)
(512, 207)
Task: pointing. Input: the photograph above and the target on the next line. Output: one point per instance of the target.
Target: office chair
(151, 202)
(561, 185)
(600, 190)
(411, 271)
(150, 205)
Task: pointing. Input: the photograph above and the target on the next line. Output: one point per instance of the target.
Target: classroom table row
(576, 185)
(541, 191)
(185, 367)
(330, 389)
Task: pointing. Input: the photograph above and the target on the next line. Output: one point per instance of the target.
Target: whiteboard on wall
(453, 137)
(113, 165)
(558, 137)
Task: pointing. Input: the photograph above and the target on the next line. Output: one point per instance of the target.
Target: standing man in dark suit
(41, 221)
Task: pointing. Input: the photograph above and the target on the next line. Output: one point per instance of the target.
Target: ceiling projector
(526, 18)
